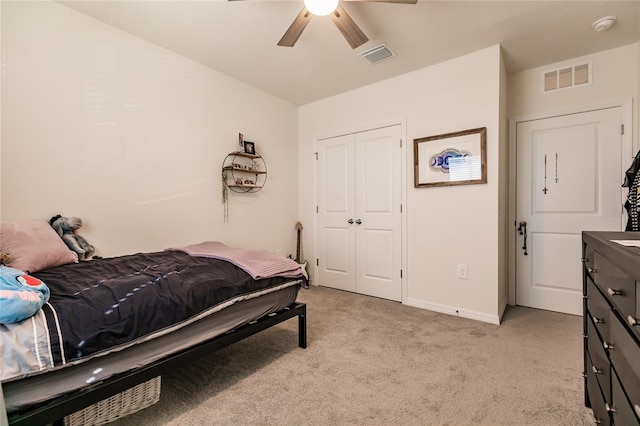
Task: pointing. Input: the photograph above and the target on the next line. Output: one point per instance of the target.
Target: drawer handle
(632, 321)
(596, 370)
(598, 320)
(607, 346)
(609, 408)
(614, 292)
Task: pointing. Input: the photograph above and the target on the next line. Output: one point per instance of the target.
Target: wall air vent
(566, 77)
(377, 53)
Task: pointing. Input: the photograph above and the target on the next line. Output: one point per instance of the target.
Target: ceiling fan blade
(349, 29)
(295, 30)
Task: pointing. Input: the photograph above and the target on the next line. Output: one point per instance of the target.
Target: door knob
(350, 221)
(358, 221)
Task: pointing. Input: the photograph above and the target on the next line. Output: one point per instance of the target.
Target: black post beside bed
(60, 407)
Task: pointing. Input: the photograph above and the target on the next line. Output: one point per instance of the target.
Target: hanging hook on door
(522, 229)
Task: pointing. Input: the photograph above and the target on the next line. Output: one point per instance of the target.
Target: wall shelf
(244, 172)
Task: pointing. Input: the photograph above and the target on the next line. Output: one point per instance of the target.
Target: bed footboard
(60, 407)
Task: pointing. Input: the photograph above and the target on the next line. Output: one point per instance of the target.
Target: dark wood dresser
(611, 289)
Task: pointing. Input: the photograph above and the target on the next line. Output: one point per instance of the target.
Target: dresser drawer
(587, 259)
(621, 409)
(598, 404)
(598, 308)
(633, 320)
(600, 367)
(619, 287)
(625, 359)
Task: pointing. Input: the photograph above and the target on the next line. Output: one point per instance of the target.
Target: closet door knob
(596, 370)
(350, 221)
(591, 270)
(614, 292)
(358, 221)
(632, 321)
(598, 320)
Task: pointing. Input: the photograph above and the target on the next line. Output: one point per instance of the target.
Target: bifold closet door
(336, 213)
(359, 213)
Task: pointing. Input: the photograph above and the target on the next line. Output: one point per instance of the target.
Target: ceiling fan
(349, 29)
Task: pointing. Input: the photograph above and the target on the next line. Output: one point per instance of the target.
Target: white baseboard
(450, 310)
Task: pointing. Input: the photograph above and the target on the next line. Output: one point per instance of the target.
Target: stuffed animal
(21, 295)
(67, 228)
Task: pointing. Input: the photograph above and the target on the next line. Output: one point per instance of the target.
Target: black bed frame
(57, 408)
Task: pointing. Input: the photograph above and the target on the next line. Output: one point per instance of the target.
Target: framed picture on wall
(249, 148)
(458, 158)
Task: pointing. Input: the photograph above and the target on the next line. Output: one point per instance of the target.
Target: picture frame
(241, 140)
(457, 158)
(249, 148)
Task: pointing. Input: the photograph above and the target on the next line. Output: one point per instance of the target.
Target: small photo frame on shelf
(241, 140)
(249, 148)
(458, 158)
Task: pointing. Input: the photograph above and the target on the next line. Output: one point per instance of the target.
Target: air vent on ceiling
(566, 77)
(377, 53)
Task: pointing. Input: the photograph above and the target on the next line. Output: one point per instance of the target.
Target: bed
(111, 324)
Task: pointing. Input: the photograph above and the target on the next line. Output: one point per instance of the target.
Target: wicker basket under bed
(119, 405)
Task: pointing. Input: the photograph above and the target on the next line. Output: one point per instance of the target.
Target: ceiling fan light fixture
(321, 7)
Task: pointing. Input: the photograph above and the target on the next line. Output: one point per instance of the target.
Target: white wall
(504, 223)
(446, 225)
(130, 137)
(615, 78)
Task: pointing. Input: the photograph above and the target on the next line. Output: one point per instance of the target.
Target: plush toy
(67, 228)
(21, 295)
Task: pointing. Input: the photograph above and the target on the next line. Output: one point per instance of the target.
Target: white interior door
(359, 213)
(378, 219)
(569, 177)
(336, 213)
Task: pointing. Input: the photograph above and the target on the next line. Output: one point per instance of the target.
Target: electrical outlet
(462, 271)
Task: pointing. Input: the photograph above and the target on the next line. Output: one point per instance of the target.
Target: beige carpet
(376, 362)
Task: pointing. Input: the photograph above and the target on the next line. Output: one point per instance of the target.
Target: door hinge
(317, 262)
(400, 208)
(317, 211)
(400, 273)
(622, 129)
(401, 143)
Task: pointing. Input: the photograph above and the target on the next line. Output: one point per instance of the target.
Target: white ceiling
(238, 38)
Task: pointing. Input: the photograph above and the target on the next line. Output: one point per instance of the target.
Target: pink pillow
(33, 245)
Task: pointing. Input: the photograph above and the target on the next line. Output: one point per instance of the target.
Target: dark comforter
(105, 303)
